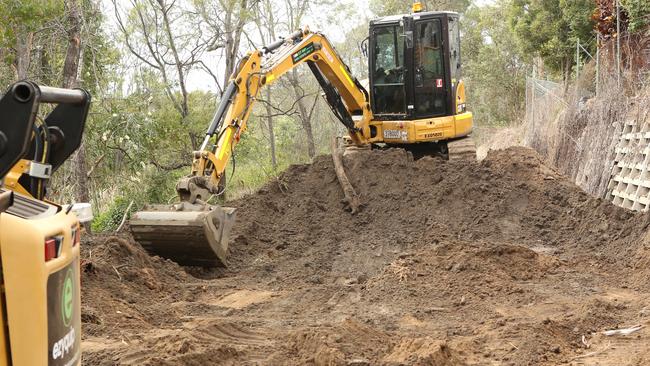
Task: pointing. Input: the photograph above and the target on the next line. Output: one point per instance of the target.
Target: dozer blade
(188, 234)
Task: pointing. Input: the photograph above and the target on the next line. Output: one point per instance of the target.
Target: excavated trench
(497, 262)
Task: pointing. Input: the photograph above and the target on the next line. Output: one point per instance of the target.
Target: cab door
(387, 71)
(429, 74)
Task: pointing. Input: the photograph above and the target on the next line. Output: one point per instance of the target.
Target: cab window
(430, 84)
(454, 49)
(388, 70)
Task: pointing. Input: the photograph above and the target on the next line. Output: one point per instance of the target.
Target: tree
(296, 10)
(638, 13)
(266, 24)
(71, 80)
(21, 22)
(155, 33)
(550, 29)
(225, 21)
(493, 69)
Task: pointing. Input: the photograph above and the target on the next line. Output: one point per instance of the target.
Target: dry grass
(578, 134)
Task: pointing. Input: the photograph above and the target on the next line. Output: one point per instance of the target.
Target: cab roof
(396, 18)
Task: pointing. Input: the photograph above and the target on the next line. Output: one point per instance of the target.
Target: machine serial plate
(395, 134)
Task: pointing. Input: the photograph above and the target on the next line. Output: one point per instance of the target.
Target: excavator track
(462, 149)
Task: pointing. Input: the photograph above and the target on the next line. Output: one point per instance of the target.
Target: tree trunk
(351, 197)
(269, 122)
(233, 31)
(179, 64)
(23, 53)
(70, 80)
(305, 115)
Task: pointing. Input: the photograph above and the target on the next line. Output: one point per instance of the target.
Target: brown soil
(498, 262)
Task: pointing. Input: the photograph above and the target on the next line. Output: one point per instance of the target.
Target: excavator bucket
(188, 234)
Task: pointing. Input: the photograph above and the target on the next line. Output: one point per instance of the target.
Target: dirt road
(498, 262)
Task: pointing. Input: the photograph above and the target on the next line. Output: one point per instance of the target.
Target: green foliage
(638, 12)
(550, 28)
(252, 167)
(26, 15)
(493, 69)
(150, 186)
(40, 25)
(110, 219)
(19, 22)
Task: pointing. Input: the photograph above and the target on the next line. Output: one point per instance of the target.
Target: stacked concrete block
(629, 186)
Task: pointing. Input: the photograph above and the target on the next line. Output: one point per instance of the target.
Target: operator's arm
(344, 94)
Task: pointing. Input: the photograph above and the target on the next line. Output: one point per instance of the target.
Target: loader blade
(188, 234)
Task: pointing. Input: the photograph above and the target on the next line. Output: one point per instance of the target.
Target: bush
(638, 11)
(110, 219)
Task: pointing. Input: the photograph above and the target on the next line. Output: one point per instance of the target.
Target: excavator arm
(196, 233)
(344, 94)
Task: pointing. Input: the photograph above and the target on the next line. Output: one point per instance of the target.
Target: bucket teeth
(188, 234)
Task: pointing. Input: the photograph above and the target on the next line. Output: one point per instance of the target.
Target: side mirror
(364, 46)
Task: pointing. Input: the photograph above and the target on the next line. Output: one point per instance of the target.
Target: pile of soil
(502, 261)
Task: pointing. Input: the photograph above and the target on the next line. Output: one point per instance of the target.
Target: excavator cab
(416, 93)
(414, 63)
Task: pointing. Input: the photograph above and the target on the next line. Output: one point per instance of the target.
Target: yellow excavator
(40, 312)
(415, 100)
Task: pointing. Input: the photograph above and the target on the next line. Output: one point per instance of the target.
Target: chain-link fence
(575, 130)
(544, 104)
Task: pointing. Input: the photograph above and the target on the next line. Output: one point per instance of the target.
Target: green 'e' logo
(67, 298)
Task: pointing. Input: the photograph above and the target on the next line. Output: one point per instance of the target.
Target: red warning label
(439, 83)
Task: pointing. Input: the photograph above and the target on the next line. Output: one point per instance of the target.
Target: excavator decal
(303, 52)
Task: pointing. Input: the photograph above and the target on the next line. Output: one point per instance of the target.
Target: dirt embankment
(502, 261)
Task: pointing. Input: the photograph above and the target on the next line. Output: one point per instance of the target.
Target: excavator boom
(196, 233)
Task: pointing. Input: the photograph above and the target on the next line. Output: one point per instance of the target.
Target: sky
(318, 20)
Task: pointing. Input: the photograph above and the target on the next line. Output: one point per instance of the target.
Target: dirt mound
(123, 286)
(423, 351)
(448, 263)
(510, 198)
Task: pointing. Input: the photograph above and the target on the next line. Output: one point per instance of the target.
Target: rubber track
(462, 149)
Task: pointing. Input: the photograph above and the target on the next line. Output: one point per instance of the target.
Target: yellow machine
(39, 240)
(416, 100)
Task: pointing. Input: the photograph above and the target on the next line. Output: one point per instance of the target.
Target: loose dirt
(497, 262)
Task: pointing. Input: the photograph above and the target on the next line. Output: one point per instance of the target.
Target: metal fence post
(597, 63)
(577, 59)
(618, 42)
